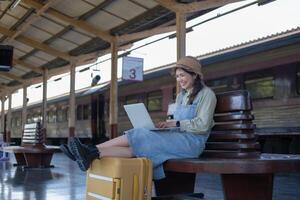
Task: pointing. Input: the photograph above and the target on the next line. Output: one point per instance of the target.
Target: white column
(113, 100)
(8, 124)
(72, 101)
(44, 106)
(2, 118)
(24, 111)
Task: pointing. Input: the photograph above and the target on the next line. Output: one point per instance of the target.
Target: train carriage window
(154, 101)
(106, 110)
(131, 99)
(86, 111)
(60, 113)
(18, 121)
(47, 117)
(121, 109)
(65, 114)
(298, 80)
(52, 116)
(79, 112)
(261, 88)
(36, 117)
(27, 119)
(219, 85)
(174, 94)
(30, 118)
(13, 122)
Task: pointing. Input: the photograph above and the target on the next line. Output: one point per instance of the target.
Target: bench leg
(175, 183)
(20, 159)
(247, 186)
(38, 160)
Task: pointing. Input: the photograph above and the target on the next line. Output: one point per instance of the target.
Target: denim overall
(159, 146)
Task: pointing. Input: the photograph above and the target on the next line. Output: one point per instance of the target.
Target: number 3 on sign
(132, 73)
(132, 69)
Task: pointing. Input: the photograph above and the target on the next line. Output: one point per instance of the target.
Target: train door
(97, 118)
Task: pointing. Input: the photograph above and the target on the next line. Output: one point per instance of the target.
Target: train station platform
(66, 182)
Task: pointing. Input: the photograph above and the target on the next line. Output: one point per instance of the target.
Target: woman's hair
(197, 86)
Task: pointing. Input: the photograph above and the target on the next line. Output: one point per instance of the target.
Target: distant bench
(233, 152)
(33, 152)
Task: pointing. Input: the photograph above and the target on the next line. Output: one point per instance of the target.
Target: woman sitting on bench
(190, 128)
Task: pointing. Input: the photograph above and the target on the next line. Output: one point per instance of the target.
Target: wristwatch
(177, 123)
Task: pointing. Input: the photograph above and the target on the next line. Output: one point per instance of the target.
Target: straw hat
(190, 64)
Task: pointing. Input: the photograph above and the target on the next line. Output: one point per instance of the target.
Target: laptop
(140, 118)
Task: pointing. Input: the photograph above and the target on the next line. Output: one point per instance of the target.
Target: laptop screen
(139, 116)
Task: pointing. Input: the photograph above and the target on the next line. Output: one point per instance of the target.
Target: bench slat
(30, 141)
(230, 146)
(264, 163)
(222, 127)
(29, 137)
(230, 136)
(31, 126)
(235, 117)
(233, 101)
(30, 130)
(229, 154)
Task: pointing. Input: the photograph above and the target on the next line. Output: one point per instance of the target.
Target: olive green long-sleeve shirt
(203, 121)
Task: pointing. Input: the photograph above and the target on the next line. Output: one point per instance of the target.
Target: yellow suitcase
(119, 179)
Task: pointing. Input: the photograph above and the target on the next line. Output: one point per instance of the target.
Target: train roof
(273, 41)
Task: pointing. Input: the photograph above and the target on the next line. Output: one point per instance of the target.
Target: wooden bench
(33, 152)
(232, 152)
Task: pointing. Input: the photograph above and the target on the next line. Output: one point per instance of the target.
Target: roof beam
(11, 76)
(28, 66)
(144, 34)
(2, 87)
(83, 59)
(33, 18)
(194, 6)
(169, 4)
(74, 22)
(36, 44)
(5, 90)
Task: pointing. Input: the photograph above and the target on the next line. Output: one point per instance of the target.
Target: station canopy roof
(54, 34)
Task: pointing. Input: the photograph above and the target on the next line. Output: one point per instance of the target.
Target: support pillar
(113, 101)
(44, 105)
(2, 119)
(72, 101)
(181, 39)
(8, 120)
(24, 110)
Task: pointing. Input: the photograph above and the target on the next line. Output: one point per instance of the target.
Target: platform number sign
(132, 68)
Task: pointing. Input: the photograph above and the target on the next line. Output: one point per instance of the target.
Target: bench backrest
(233, 133)
(32, 135)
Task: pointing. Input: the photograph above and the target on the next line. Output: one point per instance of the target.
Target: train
(269, 68)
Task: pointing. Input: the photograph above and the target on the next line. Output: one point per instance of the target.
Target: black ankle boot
(84, 154)
(65, 149)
